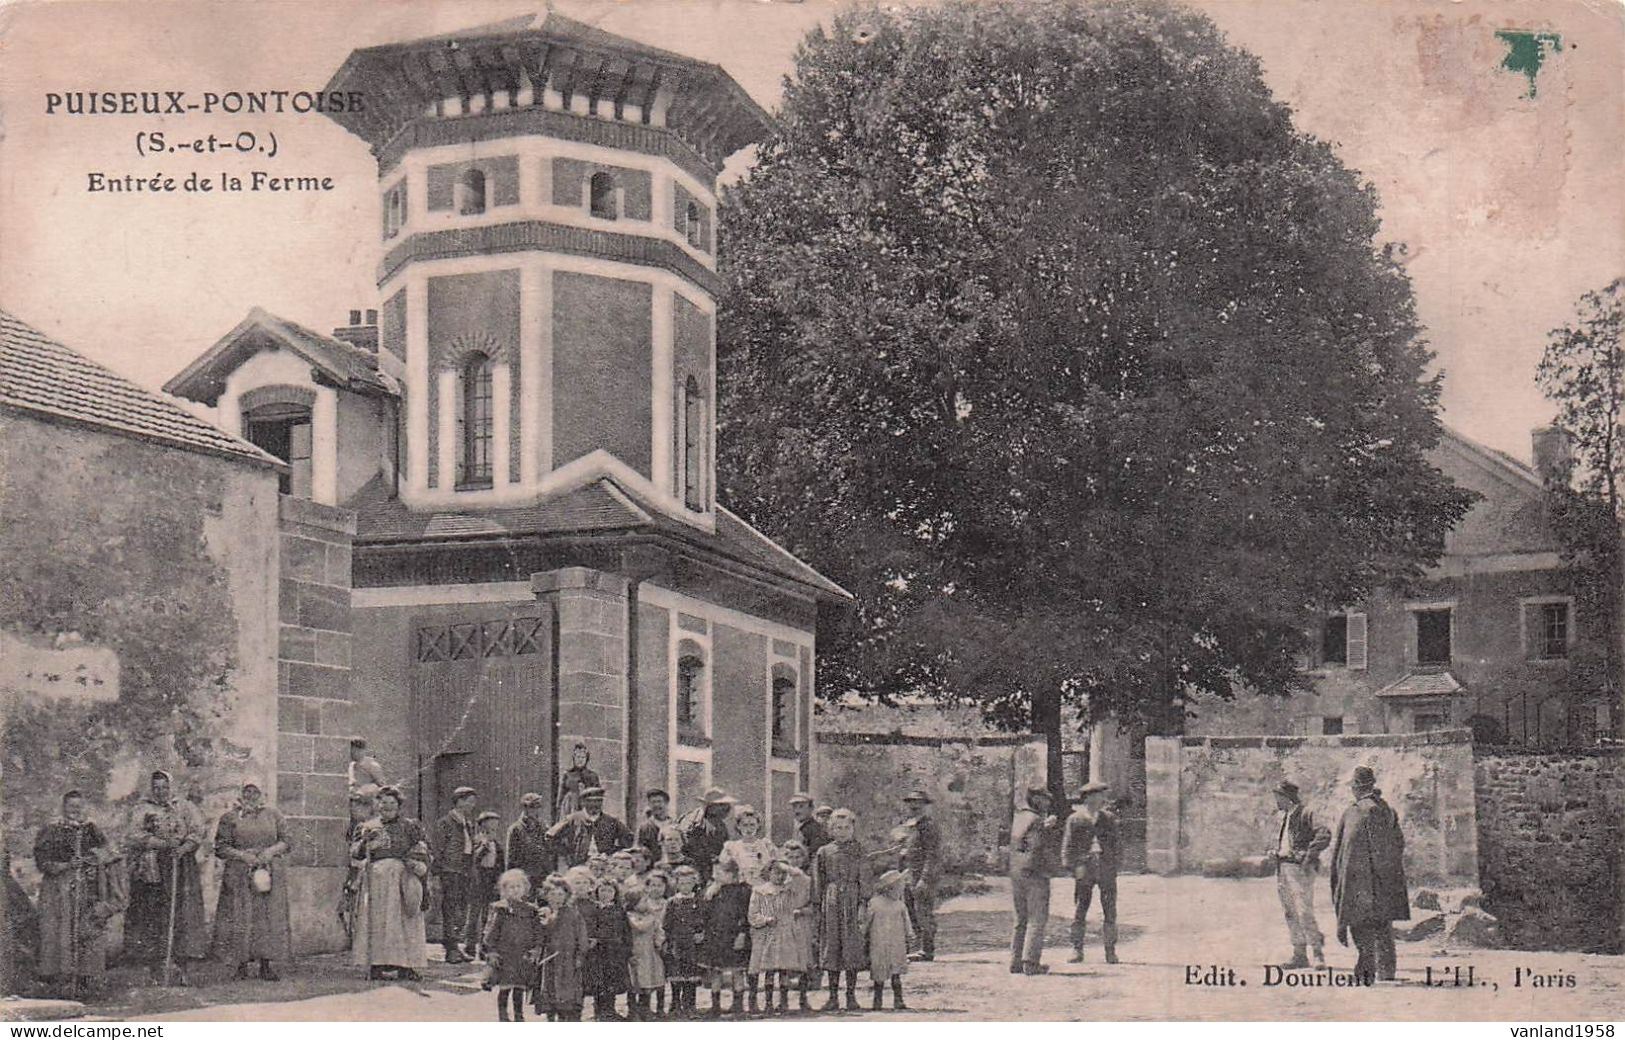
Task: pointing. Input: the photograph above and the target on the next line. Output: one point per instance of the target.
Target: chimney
(359, 334)
(1553, 453)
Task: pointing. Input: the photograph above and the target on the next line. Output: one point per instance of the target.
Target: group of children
(772, 915)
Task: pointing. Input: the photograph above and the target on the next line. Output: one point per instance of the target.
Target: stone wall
(314, 714)
(137, 627)
(1549, 840)
(865, 759)
(1208, 798)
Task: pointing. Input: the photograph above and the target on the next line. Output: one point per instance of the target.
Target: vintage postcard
(813, 511)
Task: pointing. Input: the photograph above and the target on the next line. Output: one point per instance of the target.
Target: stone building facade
(500, 532)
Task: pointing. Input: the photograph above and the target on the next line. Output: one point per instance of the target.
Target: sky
(1506, 190)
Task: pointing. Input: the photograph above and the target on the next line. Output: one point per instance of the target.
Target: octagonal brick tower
(548, 281)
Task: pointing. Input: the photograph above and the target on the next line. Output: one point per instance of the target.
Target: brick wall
(1208, 798)
(1549, 840)
(314, 721)
(602, 332)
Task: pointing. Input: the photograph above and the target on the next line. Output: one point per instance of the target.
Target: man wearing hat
(588, 830)
(528, 847)
(1368, 878)
(922, 858)
(1296, 852)
(1092, 850)
(1033, 834)
(705, 834)
(452, 855)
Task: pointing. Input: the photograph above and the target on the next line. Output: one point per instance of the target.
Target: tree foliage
(1050, 337)
(1583, 371)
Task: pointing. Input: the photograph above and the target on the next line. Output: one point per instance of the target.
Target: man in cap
(922, 858)
(589, 830)
(812, 833)
(1299, 841)
(704, 837)
(452, 855)
(1032, 860)
(1368, 878)
(656, 818)
(528, 846)
(1092, 851)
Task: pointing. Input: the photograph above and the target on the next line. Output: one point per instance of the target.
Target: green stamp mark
(1526, 51)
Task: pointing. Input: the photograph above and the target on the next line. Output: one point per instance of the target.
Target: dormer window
(601, 196)
(696, 232)
(471, 193)
(284, 430)
(477, 423)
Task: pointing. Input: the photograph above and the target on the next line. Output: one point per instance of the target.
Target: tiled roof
(40, 375)
(345, 364)
(1422, 684)
(599, 507)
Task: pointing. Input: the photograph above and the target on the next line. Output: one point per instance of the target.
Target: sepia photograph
(741, 512)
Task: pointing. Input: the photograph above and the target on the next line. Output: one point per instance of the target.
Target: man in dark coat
(1033, 834)
(589, 830)
(453, 859)
(656, 818)
(529, 848)
(1092, 850)
(809, 828)
(1299, 841)
(705, 834)
(922, 858)
(1368, 878)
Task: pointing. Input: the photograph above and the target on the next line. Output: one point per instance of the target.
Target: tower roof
(402, 81)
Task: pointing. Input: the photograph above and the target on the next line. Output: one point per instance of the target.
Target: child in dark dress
(512, 943)
(727, 935)
(609, 947)
(558, 983)
(684, 927)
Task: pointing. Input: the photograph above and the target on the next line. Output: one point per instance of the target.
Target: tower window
(693, 446)
(471, 192)
(696, 231)
(601, 196)
(395, 210)
(478, 422)
(283, 430)
(784, 706)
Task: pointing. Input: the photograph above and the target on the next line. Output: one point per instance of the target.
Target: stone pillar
(1162, 805)
(313, 712)
(591, 610)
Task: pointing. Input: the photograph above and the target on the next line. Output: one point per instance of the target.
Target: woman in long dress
(251, 919)
(389, 935)
(72, 854)
(165, 927)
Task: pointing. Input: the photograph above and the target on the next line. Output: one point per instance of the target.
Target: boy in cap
(528, 846)
(1299, 841)
(811, 830)
(488, 864)
(453, 860)
(1091, 850)
(655, 818)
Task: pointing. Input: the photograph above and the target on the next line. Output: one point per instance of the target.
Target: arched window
(471, 192)
(784, 709)
(283, 430)
(694, 434)
(477, 421)
(601, 196)
(690, 691)
(695, 231)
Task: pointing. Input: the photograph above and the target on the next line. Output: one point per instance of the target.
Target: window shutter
(1357, 642)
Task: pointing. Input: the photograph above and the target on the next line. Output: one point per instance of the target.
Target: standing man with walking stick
(164, 925)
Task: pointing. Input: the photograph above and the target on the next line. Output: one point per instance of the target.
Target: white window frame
(677, 751)
(1525, 637)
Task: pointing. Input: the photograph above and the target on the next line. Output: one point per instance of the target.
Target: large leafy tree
(1049, 336)
(1583, 372)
